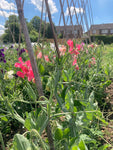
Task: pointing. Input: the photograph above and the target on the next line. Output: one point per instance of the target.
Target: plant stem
(33, 131)
(2, 141)
(33, 63)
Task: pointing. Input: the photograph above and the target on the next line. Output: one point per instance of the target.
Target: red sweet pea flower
(77, 67)
(74, 62)
(70, 43)
(71, 50)
(26, 69)
(78, 46)
(20, 74)
(76, 52)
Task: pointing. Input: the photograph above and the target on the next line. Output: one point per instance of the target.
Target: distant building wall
(102, 29)
(70, 31)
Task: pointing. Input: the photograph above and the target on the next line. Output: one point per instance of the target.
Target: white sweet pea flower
(9, 75)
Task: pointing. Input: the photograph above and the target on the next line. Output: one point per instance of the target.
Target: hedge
(107, 39)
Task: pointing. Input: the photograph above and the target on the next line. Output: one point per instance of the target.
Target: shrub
(107, 39)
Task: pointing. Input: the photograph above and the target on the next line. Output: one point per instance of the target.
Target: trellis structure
(74, 13)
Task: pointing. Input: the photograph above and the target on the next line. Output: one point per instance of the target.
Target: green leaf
(58, 134)
(21, 143)
(102, 120)
(104, 147)
(65, 76)
(74, 147)
(42, 121)
(30, 92)
(41, 69)
(3, 118)
(66, 132)
(29, 123)
(82, 145)
(69, 101)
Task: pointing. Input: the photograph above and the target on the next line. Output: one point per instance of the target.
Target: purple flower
(2, 56)
(15, 75)
(4, 61)
(2, 50)
(21, 51)
(11, 46)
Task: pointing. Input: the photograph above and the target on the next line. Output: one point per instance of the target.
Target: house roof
(59, 28)
(102, 26)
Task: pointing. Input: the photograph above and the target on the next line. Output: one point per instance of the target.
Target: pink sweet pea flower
(18, 65)
(30, 75)
(77, 67)
(76, 52)
(91, 45)
(20, 74)
(74, 62)
(39, 55)
(93, 61)
(26, 69)
(82, 44)
(70, 43)
(62, 50)
(54, 56)
(20, 60)
(78, 46)
(71, 50)
(46, 58)
(86, 51)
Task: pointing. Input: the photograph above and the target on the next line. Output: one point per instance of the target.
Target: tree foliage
(12, 30)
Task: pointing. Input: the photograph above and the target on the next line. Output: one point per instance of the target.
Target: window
(94, 31)
(111, 31)
(75, 32)
(69, 31)
(104, 31)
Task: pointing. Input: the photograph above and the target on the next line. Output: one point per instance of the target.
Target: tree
(34, 36)
(49, 32)
(30, 26)
(36, 23)
(12, 29)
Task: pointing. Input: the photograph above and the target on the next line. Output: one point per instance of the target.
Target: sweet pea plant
(73, 90)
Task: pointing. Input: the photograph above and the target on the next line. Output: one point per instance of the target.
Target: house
(102, 29)
(70, 31)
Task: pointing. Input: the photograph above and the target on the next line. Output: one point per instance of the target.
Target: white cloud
(6, 5)
(78, 10)
(1, 32)
(1, 27)
(52, 5)
(6, 14)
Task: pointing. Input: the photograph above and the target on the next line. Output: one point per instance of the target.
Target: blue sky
(102, 10)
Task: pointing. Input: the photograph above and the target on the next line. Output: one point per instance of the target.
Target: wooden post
(33, 64)
(54, 35)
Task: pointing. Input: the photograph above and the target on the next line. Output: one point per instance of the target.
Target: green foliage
(107, 39)
(71, 101)
(12, 30)
(33, 36)
(60, 36)
(49, 32)
(35, 21)
(21, 143)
